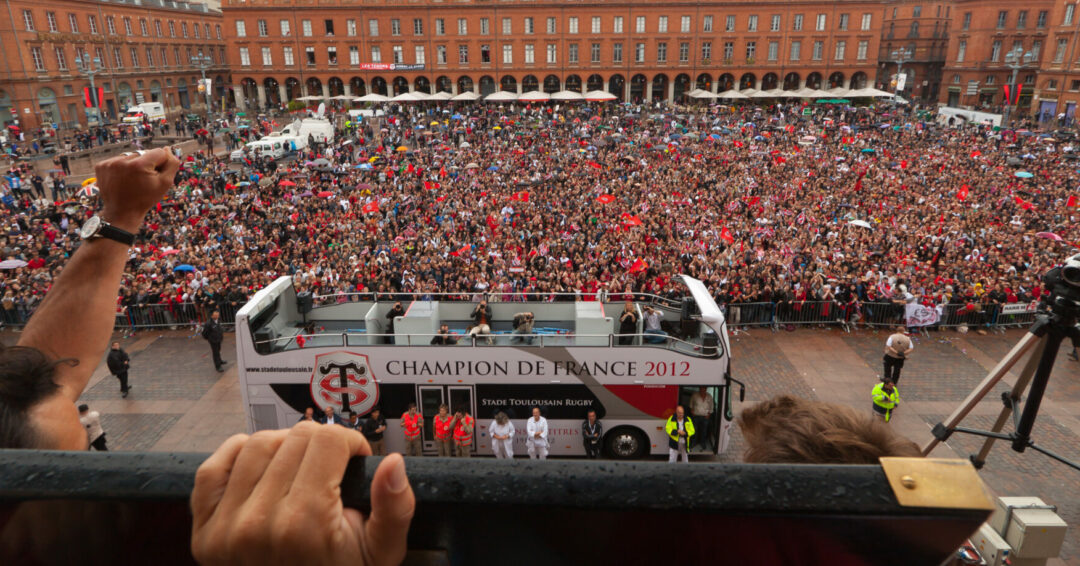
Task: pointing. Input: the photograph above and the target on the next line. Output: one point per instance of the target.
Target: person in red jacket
(413, 423)
(444, 424)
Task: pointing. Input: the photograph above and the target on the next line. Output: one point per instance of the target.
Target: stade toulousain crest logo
(343, 381)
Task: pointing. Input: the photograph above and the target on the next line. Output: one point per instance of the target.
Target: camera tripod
(1043, 341)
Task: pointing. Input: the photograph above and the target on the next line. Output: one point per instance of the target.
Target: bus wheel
(626, 443)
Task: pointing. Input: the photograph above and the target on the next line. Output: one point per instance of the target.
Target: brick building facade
(283, 49)
(915, 38)
(145, 48)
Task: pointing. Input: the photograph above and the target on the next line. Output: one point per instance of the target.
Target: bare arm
(76, 318)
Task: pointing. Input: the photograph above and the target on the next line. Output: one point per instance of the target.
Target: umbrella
(534, 96)
(243, 184)
(466, 96)
(184, 267)
(861, 223)
(493, 168)
(364, 166)
(501, 96)
(567, 95)
(1024, 175)
(321, 162)
(325, 194)
(306, 194)
(90, 190)
(402, 148)
(599, 96)
(465, 144)
(164, 253)
(89, 180)
(472, 166)
(1047, 235)
(869, 150)
(372, 98)
(457, 117)
(287, 183)
(12, 264)
(441, 96)
(363, 187)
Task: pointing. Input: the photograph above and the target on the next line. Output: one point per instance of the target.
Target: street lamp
(204, 62)
(1016, 59)
(900, 56)
(91, 67)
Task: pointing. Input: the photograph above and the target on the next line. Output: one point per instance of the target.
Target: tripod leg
(1023, 346)
(1017, 392)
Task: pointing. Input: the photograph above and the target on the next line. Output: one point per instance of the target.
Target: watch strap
(113, 233)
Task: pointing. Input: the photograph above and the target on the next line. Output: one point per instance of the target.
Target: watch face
(90, 227)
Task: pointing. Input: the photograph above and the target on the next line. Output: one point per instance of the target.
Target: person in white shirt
(502, 436)
(701, 410)
(537, 441)
(91, 421)
(653, 318)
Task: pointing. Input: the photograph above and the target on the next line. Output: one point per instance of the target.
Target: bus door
(457, 397)
(688, 398)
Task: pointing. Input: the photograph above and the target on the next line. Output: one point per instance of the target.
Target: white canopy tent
(466, 96)
(599, 96)
(732, 95)
(501, 96)
(567, 95)
(534, 96)
(698, 93)
(372, 97)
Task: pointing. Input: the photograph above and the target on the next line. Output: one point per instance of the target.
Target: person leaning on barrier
(523, 327)
(444, 338)
(790, 430)
(256, 497)
(481, 316)
(627, 324)
(502, 436)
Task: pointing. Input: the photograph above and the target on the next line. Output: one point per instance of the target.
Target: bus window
(431, 396)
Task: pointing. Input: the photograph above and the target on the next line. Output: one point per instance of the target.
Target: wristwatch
(95, 228)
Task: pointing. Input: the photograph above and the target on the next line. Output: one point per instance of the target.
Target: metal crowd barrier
(156, 316)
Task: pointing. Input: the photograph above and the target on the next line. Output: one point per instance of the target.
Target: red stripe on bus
(654, 400)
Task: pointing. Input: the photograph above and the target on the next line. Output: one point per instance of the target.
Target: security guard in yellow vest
(886, 397)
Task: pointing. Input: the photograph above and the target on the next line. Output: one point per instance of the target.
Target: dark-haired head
(26, 381)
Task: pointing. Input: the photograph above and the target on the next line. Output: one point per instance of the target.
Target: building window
(551, 26)
(706, 51)
(819, 49)
(594, 53)
(134, 58)
(684, 24)
(183, 29)
(207, 28)
(914, 31)
(508, 54)
(309, 54)
(639, 27)
(860, 54)
(354, 55)
(572, 54)
(157, 28)
(966, 24)
(572, 25)
(841, 47)
(1059, 55)
(28, 20)
(176, 57)
(866, 18)
(990, 79)
(421, 56)
(145, 29)
(267, 57)
(350, 28)
(618, 25)
(305, 28)
(440, 54)
(751, 50)
(961, 50)
(530, 54)
(706, 24)
(616, 53)
(843, 22)
(995, 51)
(51, 18)
(596, 24)
(331, 55)
(552, 53)
(239, 27)
(1036, 47)
(1003, 16)
(1021, 19)
(485, 26)
(796, 50)
(661, 24)
(373, 28)
(399, 55)
(1051, 84)
(821, 22)
(263, 29)
(61, 58)
(463, 54)
(440, 26)
(395, 27)
(507, 26)
(774, 23)
(418, 26)
(94, 29)
(796, 22)
(1074, 85)
(376, 54)
(245, 57)
(1040, 22)
(729, 50)
(485, 54)
(639, 53)
(284, 28)
(149, 57)
(774, 50)
(39, 61)
(462, 26)
(684, 52)
(751, 23)
(110, 25)
(164, 57)
(529, 30)
(729, 23)
(1070, 11)
(73, 23)
(661, 52)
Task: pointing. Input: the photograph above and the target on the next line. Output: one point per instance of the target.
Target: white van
(319, 128)
(275, 147)
(153, 112)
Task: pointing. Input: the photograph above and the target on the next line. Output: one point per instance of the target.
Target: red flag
(427, 185)
(631, 219)
(440, 198)
(753, 200)
(1073, 201)
(962, 193)
(1005, 88)
(595, 165)
(492, 223)
(605, 199)
(903, 164)
(738, 143)
(371, 207)
(638, 266)
(442, 171)
(976, 153)
(726, 236)
(522, 196)
(463, 251)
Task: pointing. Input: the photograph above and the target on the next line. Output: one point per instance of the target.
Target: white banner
(918, 315)
(1019, 308)
(901, 81)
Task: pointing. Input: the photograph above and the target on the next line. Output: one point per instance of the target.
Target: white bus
(342, 353)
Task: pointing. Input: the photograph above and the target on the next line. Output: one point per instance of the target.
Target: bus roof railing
(666, 341)
(480, 510)
(475, 296)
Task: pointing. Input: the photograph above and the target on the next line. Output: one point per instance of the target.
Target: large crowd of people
(791, 205)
